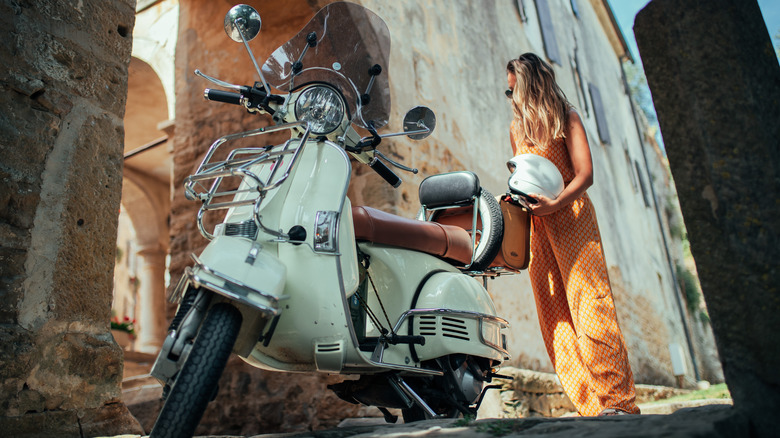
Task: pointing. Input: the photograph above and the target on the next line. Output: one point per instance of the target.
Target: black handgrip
(222, 96)
(385, 172)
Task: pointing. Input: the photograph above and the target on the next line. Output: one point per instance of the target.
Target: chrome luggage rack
(238, 164)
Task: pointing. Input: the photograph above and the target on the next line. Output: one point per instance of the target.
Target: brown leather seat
(446, 241)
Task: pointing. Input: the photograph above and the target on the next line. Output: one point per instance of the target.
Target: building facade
(451, 57)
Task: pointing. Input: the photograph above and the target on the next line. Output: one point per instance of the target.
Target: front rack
(239, 163)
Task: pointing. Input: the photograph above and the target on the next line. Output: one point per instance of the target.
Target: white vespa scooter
(295, 279)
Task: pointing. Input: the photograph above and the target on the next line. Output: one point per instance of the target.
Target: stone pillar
(716, 86)
(147, 202)
(63, 85)
(150, 303)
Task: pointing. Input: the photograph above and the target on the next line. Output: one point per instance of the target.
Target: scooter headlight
(322, 107)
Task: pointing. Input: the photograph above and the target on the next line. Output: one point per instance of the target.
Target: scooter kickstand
(389, 418)
(416, 398)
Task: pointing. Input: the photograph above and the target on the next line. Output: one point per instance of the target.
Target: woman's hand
(543, 206)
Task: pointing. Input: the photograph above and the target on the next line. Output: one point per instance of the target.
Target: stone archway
(146, 200)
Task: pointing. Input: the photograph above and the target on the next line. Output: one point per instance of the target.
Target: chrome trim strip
(490, 344)
(232, 295)
(415, 370)
(176, 293)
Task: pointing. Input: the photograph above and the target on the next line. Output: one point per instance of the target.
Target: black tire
(491, 233)
(198, 379)
(184, 306)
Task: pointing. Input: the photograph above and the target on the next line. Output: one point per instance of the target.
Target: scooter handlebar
(253, 98)
(222, 96)
(385, 172)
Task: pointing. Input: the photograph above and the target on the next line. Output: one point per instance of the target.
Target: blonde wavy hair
(538, 103)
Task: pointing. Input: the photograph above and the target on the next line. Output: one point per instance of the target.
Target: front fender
(241, 270)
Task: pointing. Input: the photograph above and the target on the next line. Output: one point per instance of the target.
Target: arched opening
(143, 237)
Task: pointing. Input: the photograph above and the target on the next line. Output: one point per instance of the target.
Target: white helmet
(534, 174)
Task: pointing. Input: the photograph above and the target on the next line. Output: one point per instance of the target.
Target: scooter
(296, 279)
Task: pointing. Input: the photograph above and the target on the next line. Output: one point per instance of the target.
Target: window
(581, 95)
(631, 172)
(642, 184)
(598, 110)
(548, 31)
(521, 10)
(574, 9)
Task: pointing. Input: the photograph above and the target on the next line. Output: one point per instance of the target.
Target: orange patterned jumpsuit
(574, 299)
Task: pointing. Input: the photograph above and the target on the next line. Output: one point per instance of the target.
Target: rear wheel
(490, 227)
(197, 381)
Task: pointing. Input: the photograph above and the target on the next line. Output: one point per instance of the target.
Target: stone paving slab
(711, 421)
(708, 421)
(672, 407)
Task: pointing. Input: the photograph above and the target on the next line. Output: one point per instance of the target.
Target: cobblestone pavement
(715, 420)
(693, 418)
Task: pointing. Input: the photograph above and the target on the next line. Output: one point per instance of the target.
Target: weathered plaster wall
(451, 56)
(63, 76)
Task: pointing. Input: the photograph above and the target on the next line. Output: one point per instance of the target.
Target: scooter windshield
(350, 41)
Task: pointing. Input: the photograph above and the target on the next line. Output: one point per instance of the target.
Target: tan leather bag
(516, 247)
(515, 250)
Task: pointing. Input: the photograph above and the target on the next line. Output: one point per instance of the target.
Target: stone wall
(63, 76)
(717, 95)
(202, 44)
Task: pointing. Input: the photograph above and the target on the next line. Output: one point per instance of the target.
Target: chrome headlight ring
(322, 107)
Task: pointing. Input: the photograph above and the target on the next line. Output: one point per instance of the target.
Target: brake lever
(396, 164)
(219, 82)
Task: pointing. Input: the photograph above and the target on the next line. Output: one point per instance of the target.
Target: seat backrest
(449, 190)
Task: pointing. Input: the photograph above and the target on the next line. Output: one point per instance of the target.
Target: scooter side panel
(470, 329)
(313, 320)
(398, 274)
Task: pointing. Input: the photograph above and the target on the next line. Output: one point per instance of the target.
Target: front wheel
(197, 381)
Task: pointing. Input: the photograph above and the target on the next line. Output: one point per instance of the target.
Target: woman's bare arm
(582, 163)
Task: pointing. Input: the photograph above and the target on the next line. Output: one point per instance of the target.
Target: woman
(567, 270)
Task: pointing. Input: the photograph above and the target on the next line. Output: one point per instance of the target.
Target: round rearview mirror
(419, 122)
(242, 19)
